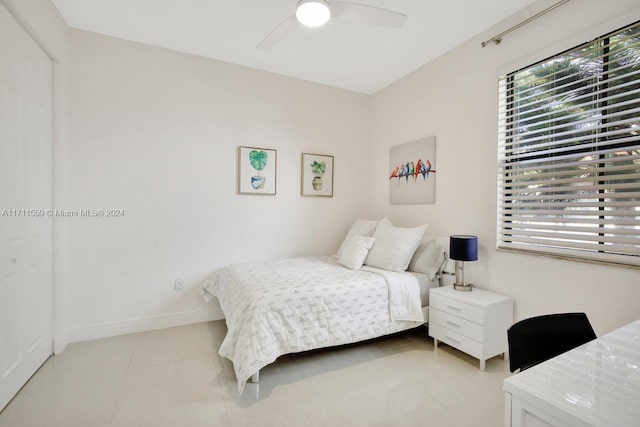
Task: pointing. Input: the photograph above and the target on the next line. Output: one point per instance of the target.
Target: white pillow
(428, 257)
(362, 227)
(394, 246)
(356, 251)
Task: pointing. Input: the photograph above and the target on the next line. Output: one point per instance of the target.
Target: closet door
(25, 198)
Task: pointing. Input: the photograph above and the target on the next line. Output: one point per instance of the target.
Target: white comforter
(291, 305)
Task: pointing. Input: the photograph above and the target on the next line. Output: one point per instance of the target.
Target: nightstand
(474, 322)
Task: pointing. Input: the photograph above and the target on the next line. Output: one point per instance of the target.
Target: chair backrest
(534, 340)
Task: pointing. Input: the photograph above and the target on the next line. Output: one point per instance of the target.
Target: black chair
(534, 340)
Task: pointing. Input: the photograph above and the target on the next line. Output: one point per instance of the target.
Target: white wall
(455, 98)
(44, 23)
(155, 132)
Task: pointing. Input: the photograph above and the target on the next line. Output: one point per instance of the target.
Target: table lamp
(462, 248)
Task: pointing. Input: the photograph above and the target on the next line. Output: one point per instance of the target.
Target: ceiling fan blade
(278, 33)
(367, 14)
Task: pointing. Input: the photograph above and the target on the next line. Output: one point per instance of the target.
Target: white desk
(596, 384)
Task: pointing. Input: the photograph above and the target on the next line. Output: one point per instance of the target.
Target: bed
(291, 305)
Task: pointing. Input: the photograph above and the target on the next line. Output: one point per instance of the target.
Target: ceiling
(342, 54)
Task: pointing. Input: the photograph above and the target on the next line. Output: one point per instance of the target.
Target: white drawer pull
(453, 339)
(453, 324)
(452, 307)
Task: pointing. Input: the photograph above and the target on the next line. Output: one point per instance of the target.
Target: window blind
(569, 153)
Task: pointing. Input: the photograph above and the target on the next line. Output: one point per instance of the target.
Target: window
(569, 153)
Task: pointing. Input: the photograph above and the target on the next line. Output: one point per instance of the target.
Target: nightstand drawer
(454, 339)
(457, 324)
(457, 308)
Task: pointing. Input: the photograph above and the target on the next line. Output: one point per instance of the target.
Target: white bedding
(425, 284)
(404, 294)
(291, 305)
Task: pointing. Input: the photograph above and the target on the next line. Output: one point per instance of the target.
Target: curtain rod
(497, 39)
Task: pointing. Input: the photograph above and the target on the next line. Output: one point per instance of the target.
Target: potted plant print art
(257, 171)
(317, 170)
(258, 160)
(317, 175)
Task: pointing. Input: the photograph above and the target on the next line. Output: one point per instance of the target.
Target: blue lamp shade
(463, 248)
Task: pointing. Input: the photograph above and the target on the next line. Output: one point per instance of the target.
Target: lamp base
(463, 287)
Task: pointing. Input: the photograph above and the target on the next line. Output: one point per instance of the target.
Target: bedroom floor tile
(166, 385)
(90, 363)
(62, 406)
(155, 347)
(204, 412)
(175, 377)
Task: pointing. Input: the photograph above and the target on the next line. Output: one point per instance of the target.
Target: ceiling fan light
(313, 13)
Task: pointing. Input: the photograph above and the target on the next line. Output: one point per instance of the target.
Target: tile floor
(174, 377)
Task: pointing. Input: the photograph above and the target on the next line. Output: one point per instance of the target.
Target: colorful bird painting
(411, 169)
(413, 160)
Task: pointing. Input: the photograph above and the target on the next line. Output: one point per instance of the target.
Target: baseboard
(59, 345)
(111, 329)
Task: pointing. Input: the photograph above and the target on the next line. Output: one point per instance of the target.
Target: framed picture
(317, 175)
(257, 170)
(412, 172)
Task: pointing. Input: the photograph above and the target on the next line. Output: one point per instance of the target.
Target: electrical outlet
(178, 284)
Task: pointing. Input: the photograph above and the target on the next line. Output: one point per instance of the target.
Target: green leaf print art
(258, 160)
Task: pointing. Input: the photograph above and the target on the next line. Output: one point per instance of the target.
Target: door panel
(25, 196)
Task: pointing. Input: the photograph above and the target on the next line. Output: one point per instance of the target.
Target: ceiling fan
(315, 13)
